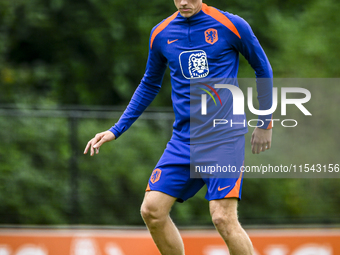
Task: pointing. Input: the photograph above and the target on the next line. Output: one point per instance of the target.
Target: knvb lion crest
(211, 35)
(156, 174)
(198, 65)
(194, 64)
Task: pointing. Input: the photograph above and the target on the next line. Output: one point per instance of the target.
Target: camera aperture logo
(204, 98)
(238, 104)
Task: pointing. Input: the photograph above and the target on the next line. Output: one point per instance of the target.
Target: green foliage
(74, 52)
(307, 44)
(33, 167)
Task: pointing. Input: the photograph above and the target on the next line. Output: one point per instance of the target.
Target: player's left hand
(261, 140)
(95, 143)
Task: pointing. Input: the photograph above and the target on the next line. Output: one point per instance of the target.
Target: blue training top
(204, 46)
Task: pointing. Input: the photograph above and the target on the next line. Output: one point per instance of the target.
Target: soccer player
(197, 42)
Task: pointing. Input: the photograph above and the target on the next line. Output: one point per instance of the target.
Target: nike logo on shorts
(220, 189)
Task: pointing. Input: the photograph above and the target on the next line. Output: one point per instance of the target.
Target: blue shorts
(184, 169)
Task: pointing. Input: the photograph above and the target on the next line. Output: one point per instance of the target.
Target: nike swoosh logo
(220, 189)
(170, 42)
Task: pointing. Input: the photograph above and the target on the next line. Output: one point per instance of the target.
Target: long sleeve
(249, 46)
(145, 92)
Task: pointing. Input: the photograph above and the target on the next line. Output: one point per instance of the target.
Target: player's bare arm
(97, 141)
(261, 140)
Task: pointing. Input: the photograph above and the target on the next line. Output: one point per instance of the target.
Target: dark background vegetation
(60, 59)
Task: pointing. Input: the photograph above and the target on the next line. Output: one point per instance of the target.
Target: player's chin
(186, 14)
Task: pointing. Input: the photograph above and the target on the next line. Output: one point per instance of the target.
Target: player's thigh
(226, 159)
(156, 204)
(172, 173)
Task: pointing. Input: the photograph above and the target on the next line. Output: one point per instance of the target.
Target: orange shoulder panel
(214, 13)
(161, 27)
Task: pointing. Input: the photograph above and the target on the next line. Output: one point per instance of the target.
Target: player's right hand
(98, 140)
(261, 140)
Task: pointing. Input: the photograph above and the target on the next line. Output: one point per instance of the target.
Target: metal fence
(45, 178)
(72, 118)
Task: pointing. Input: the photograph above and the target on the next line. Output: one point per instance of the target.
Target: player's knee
(219, 220)
(224, 221)
(145, 212)
(151, 213)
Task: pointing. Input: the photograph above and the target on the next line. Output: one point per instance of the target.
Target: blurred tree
(75, 52)
(307, 43)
